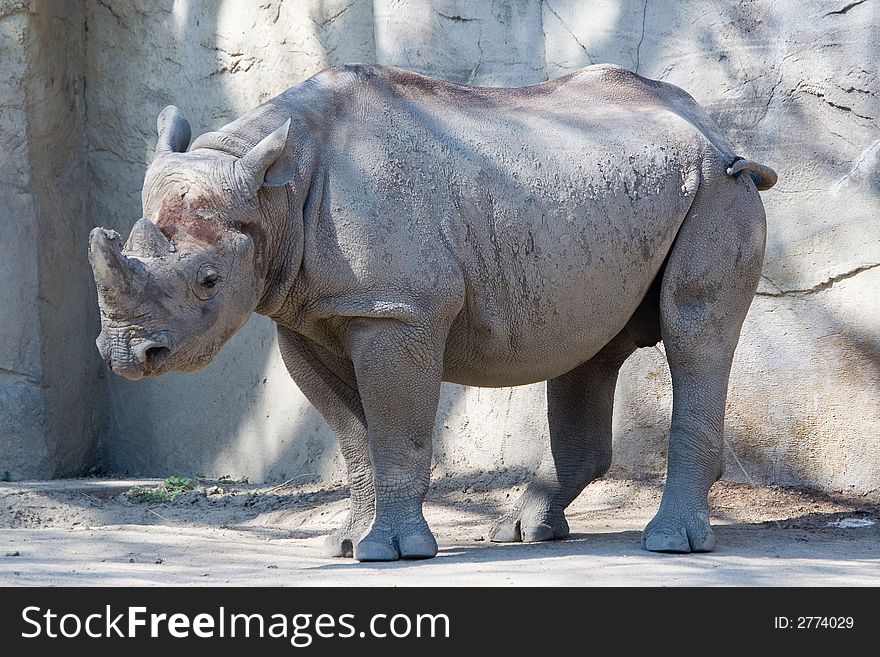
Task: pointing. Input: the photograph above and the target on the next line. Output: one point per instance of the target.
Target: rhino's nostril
(154, 356)
(150, 353)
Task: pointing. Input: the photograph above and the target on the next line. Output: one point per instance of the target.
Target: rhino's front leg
(329, 384)
(398, 368)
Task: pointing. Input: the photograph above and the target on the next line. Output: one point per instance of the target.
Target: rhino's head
(195, 267)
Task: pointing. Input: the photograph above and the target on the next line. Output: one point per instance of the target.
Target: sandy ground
(87, 532)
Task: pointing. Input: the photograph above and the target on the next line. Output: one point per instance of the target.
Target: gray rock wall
(53, 402)
(794, 84)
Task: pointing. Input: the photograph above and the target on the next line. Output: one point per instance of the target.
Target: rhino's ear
(174, 132)
(268, 163)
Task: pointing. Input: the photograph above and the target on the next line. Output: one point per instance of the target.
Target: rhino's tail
(763, 176)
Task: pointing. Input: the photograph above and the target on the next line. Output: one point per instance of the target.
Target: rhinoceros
(402, 231)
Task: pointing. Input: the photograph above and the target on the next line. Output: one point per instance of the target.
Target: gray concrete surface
(127, 557)
(83, 533)
(794, 84)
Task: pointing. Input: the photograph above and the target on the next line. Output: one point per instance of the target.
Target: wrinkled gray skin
(403, 231)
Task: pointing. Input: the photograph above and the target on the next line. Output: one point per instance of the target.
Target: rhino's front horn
(120, 280)
(145, 238)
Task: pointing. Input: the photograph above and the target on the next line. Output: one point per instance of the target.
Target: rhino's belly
(564, 324)
(516, 369)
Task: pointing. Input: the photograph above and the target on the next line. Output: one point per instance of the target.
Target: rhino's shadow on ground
(806, 537)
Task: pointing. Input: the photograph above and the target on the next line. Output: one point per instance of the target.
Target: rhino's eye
(210, 280)
(207, 279)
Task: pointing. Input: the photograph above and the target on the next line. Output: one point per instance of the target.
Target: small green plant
(6, 476)
(228, 479)
(164, 492)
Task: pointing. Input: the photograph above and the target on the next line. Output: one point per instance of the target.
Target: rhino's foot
(677, 531)
(341, 542)
(412, 540)
(533, 519)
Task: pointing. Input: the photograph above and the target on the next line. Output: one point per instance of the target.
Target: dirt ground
(89, 532)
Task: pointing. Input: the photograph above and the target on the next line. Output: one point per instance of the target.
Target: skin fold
(402, 231)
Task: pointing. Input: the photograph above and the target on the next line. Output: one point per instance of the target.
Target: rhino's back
(609, 93)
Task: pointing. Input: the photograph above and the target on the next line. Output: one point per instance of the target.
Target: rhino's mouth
(199, 360)
(135, 357)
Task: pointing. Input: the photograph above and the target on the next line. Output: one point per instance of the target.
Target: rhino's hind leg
(579, 406)
(708, 285)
